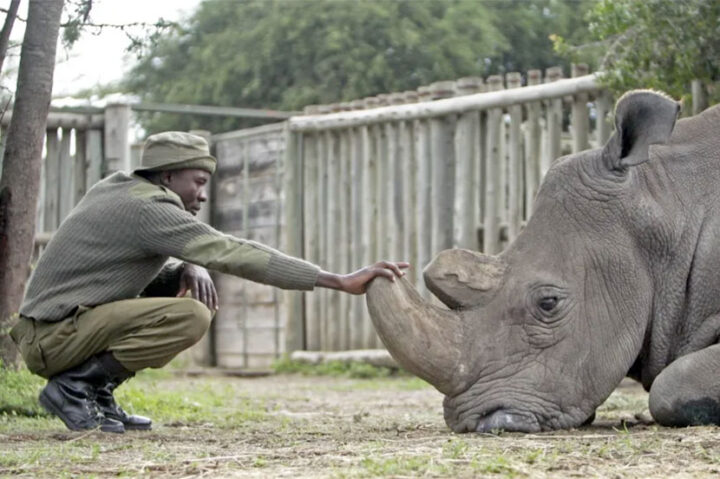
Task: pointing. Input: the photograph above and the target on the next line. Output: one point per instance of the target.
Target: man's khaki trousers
(141, 333)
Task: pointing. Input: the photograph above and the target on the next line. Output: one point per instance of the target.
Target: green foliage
(529, 28)
(78, 12)
(354, 369)
(661, 44)
(287, 54)
(18, 392)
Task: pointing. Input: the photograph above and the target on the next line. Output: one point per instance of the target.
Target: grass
(180, 402)
(309, 425)
(623, 402)
(191, 404)
(406, 465)
(18, 393)
(148, 394)
(356, 370)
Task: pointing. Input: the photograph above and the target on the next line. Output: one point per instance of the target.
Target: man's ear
(642, 118)
(166, 178)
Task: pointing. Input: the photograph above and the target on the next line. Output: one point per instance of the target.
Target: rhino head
(538, 337)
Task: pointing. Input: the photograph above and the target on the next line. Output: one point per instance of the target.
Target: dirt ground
(298, 426)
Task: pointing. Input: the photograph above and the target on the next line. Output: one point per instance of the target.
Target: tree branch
(617, 42)
(17, 17)
(122, 26)
(6, 29)
(84, 23)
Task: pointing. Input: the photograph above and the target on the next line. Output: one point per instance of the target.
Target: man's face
(189, 184)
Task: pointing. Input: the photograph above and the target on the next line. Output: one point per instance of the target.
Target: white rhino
(617, 273)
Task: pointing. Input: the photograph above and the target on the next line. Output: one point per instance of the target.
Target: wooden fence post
(355, 241)
(295, 327)
(245, 308)
(399, 166)
(553, 122)
(383, 183)
(80, 166)
(493, 165)
(358, 246)
(515, 178)
(332, 233)
(136, 156)
(66, 174)
(117, 147)
(344, 202)
(467, 143)
(580, 116)
(387, 233)
(423, 202)
(602, 127)
(311, 207)
(324, 155)
(371, 217)
(52, 181)
(502, 189)
(410, 241)
(316, 303)
(94, 157)
(533, 150)
(442, 134)
(699, 96)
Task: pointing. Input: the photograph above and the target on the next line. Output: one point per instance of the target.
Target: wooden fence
(406, 181)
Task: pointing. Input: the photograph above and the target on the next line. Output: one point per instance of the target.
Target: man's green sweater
(116, 241)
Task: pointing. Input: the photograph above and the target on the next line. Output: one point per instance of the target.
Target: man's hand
(357, 282)
(196, 279)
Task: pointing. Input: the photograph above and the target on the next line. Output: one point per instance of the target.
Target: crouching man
(103, 302)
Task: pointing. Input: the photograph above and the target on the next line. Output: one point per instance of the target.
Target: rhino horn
(463, 279)
(429, 341)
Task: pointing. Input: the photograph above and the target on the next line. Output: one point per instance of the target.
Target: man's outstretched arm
(357, 282)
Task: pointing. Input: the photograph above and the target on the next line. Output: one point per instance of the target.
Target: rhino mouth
(500, 419)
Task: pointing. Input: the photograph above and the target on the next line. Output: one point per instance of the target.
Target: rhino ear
(461, 278)
(642, 118)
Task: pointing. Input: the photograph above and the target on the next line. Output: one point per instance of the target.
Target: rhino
(617, 273)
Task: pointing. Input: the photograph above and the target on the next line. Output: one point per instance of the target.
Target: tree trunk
(6, 29)
(22, 161)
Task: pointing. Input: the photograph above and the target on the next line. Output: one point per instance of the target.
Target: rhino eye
(548, 303)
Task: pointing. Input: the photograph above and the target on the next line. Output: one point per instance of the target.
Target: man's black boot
(106, 402)
(70, 396)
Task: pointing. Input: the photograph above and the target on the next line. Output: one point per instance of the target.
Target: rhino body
(617, 273)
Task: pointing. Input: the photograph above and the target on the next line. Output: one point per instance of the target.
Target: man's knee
(197, 318)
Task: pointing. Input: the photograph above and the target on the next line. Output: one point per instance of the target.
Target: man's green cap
(176, 150)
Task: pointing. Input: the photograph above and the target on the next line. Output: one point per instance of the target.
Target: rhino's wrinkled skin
(616, 273)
